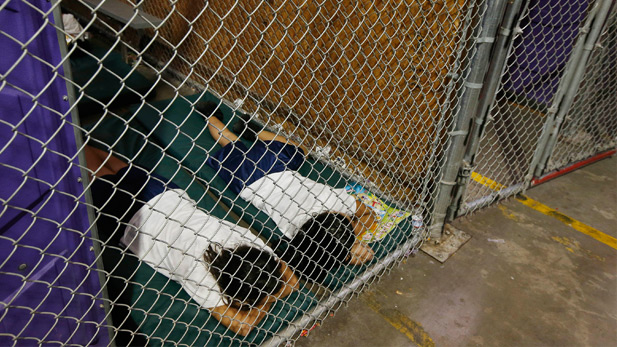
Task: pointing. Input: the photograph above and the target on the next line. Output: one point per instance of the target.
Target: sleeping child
(319, 221)
(222, 266)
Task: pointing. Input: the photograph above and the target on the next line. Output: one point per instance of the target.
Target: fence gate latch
(466, 170)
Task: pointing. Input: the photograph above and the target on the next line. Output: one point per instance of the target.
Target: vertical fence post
(468, 103)
(435, 158)
(85, 176)
(580, 66)
(487, 96)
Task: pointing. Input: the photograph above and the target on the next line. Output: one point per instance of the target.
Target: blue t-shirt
(241, 166)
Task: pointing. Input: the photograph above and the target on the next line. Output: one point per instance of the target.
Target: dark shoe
(209, 108)
(246, 129)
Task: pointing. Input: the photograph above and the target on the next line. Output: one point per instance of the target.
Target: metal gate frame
(570, 117)
(467, 106)
(461, 164)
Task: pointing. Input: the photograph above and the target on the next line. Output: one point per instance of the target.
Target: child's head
(246, 275)
(322, 243)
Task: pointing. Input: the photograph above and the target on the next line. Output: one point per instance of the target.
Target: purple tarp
(49, 288)
(541, 52)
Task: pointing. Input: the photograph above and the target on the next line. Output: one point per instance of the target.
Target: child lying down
(318, 221)
(222, 266)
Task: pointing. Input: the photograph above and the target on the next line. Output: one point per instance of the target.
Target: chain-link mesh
(220, 173)
(247, 165)
(50, 292)
(531, 82)
(590, 127)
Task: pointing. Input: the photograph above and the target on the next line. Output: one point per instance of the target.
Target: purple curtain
(50, 289)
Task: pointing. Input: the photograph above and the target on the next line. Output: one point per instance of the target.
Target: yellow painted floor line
(398, 320)
(540, 207)
(578, 226)
(485, 181)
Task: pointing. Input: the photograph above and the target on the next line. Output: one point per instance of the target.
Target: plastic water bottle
(416, 220)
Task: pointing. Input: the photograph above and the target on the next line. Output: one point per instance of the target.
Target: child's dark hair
(246, 275)
(322, 243)
(209, 108)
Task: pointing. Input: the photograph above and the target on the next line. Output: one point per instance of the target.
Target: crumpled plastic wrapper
(72, 28)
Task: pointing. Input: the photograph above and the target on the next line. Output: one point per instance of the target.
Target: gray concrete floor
(543, 283)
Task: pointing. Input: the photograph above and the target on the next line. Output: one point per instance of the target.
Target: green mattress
(112, 81)
(182, 133)
(147, 306)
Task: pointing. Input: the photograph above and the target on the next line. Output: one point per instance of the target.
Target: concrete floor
(538, 281)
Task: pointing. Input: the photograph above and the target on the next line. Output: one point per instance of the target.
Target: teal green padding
(169, 315)
(114, 80)
(382, 248)
(163, 313)
(183, 134)
(159, 309)
(320, 172)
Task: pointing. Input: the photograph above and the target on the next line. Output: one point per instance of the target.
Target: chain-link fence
(246, 167)
(590, 126)
(530, 79)
(222, 173)
(521, 115)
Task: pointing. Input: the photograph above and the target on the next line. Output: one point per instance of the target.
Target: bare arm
(219, 132)
(364, 218)
(101, 163)
(266, 135)
(240, 321)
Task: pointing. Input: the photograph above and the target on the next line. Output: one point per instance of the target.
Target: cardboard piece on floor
(452, 240)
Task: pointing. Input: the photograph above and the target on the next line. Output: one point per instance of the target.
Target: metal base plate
(452, 240)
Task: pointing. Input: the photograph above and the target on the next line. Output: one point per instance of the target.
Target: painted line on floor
(399, 321)
(487, 182)
(578, 226)
(540, 207)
